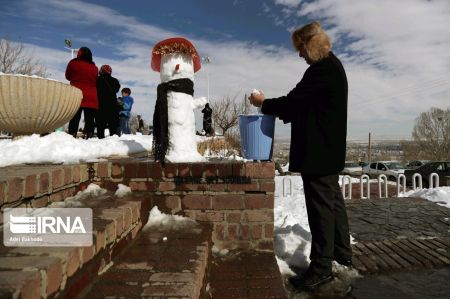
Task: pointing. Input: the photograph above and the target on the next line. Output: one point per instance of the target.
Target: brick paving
(249, 275)
(399, 234)
(424, 284)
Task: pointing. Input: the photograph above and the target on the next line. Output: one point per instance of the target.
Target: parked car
(352, 168)
(391, 169)
(442, 168)
(416, 164)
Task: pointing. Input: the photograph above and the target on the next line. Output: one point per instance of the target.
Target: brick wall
(38, 186)
(237, 198)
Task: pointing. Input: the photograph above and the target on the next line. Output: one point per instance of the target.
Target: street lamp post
(207, 61)
(68, 43)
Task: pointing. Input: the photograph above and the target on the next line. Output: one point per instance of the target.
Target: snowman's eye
(177, 67)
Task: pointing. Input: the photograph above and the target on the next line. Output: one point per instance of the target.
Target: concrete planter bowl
(35, 105)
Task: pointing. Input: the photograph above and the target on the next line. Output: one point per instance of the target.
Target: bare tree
(430, 136)
(225, 113)
(14, 59)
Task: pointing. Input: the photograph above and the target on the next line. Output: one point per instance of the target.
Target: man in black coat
(108, 110)
(317, 111)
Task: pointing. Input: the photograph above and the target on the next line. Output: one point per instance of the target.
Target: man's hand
(257, 98)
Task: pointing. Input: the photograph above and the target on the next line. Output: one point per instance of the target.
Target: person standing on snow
(317, 111)
(126, 111)
(108, 112)
(207, 120)
(82, 73)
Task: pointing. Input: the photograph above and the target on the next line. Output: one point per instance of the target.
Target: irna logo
(45, 225)
(48, 227)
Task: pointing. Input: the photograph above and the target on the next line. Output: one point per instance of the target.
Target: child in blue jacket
(125, 113)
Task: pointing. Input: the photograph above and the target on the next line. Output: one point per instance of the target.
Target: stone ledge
(64, 271)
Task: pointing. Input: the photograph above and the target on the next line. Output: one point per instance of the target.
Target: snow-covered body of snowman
(175, 65)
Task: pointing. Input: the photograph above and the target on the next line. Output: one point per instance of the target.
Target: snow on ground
(122, 190)
(92, 190)
(161, 221)
(292, 234)
(440, 195)
(59, 147)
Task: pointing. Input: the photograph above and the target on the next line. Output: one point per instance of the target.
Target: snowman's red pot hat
(174, 45)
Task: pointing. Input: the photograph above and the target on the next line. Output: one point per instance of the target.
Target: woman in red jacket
(82, 73)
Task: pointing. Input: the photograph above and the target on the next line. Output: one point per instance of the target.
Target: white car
(391, 169)
(352, 168)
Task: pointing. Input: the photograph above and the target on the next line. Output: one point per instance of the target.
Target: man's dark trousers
(328, 221)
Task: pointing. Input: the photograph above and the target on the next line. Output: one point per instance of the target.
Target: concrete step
(159, 264)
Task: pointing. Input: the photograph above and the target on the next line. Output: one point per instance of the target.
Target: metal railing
(364, 183)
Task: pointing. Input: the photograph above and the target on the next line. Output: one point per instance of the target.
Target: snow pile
(161, 221)
(292, 234)
(34, 77)
(59, 147)
(92, 190)
(440, 195)
(122, 191)
(217, 251)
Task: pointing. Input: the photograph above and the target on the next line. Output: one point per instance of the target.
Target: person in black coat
(317, 111)
(108, 110)
(207, 120)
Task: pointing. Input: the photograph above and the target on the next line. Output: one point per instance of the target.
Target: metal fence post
(361, 181)
(399, 182)
(285, 179)
(349, 179)
(419, 176)
(434, 175)
(384, 178)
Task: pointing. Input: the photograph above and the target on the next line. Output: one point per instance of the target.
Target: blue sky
(396, 68)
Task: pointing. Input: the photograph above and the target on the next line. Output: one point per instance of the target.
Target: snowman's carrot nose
(177, 67)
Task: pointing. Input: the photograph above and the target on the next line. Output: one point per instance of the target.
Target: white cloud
(396, 55)
(289, 3)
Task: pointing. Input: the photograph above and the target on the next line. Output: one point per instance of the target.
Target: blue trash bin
(257, 136)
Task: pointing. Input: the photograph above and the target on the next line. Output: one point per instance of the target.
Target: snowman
(174, 138)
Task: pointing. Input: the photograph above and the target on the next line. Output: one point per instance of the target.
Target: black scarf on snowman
(161, 117)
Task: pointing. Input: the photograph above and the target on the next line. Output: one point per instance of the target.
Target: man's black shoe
(312, 280)
(309, 280)
(344, 262)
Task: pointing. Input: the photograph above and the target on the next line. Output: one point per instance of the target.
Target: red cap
(174, 45)
(105, 69)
